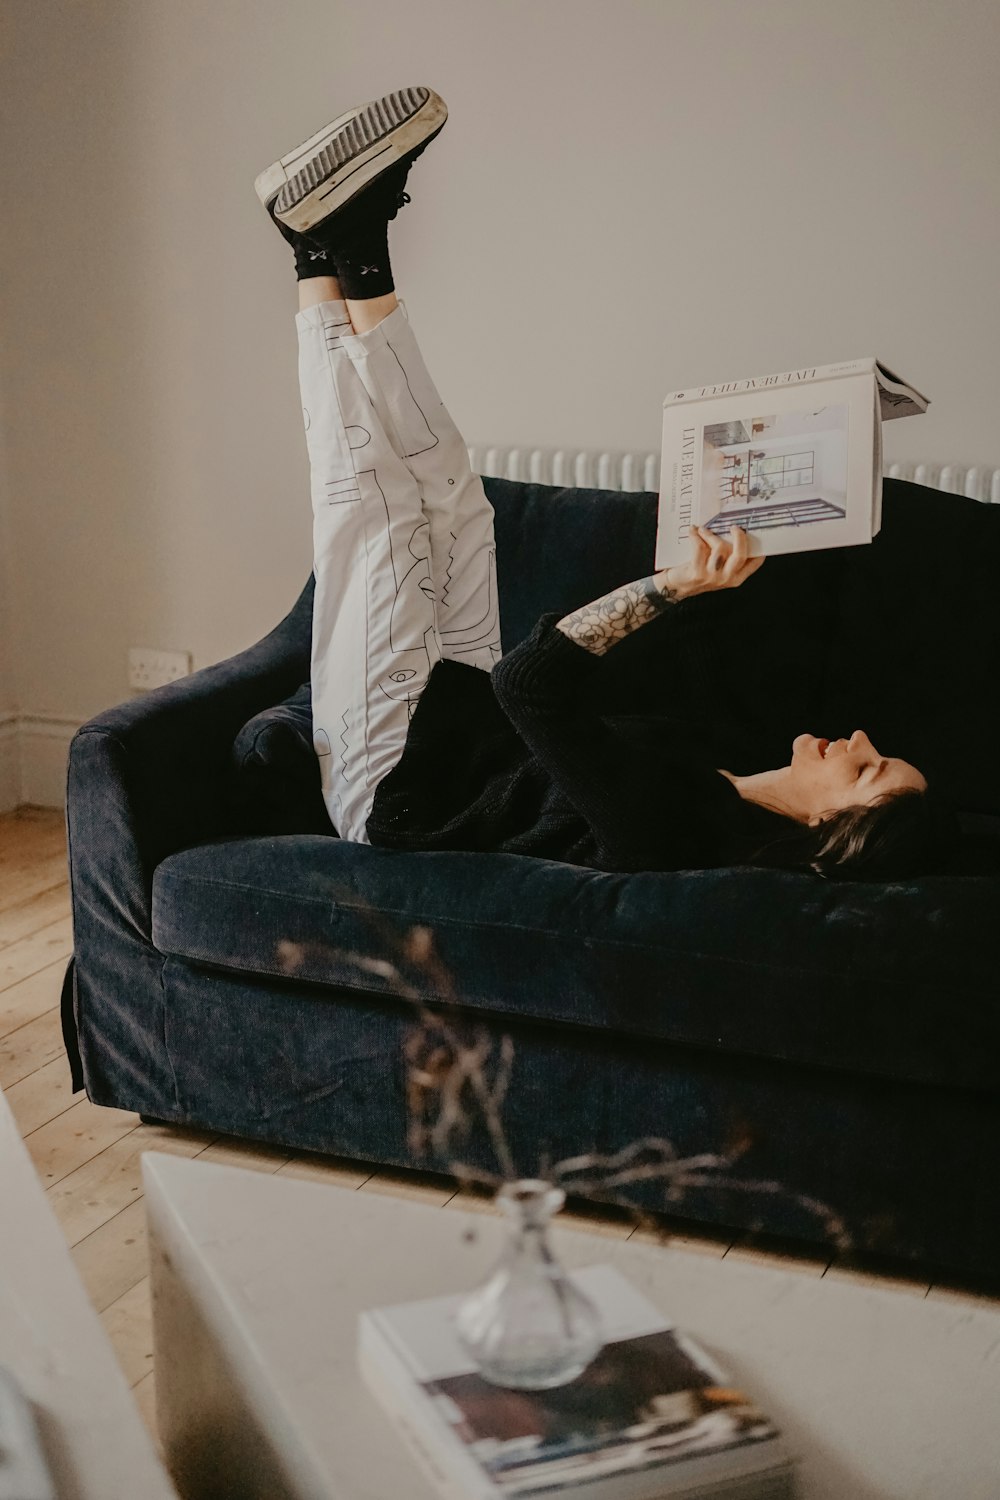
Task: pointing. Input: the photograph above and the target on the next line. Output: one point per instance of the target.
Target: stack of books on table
(652, 1417)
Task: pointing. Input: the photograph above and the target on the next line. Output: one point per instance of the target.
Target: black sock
(362, 263)
(311, 260)
(353, 243)
(357, 235)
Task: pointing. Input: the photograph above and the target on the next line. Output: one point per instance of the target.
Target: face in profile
(825, 776)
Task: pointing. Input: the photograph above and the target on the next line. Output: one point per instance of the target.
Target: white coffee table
(258, 1282)
(51, 1338)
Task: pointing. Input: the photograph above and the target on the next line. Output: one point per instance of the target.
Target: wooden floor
(88, 1157)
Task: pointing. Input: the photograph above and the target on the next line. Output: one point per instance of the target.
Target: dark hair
(898, 836)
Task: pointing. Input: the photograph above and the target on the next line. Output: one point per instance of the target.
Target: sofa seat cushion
(890, 980)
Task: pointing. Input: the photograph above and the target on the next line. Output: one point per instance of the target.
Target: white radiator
(641, 471)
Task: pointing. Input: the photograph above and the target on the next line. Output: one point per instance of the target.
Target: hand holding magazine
(794, 459)
(716, 562)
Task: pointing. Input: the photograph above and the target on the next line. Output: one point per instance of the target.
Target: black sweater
(569, 755)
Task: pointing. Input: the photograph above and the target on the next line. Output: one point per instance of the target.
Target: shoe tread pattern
(370, 125)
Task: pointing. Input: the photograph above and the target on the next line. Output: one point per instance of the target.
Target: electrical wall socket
(152, 669)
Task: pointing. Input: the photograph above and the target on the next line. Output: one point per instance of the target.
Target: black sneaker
(324, 174)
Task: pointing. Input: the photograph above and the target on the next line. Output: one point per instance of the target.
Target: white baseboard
(34, 750)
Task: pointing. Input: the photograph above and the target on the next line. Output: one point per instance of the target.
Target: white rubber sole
(269, 183)
(329, 169)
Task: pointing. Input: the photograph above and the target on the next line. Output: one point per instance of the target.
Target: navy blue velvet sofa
(841, 1038)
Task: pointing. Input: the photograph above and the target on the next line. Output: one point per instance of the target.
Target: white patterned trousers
(403, 548)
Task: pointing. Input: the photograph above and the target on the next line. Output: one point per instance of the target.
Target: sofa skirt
(807, 1152)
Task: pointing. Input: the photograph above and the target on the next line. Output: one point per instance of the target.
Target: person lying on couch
(428, 736)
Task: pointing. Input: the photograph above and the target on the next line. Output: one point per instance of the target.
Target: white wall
(630, 195)
(10, 771)
(7, 700)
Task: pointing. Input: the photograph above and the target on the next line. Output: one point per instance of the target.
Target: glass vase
(528, 1325)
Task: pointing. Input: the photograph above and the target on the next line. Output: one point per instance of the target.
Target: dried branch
(455, 1072)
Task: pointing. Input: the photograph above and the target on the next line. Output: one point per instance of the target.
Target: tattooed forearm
(599, 625)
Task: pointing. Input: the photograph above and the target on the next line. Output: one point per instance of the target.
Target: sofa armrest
(153, 775)
(144, 780)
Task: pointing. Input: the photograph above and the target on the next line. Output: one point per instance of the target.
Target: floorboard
(113, 1259)
(36, 878)
(24, 1000)
(74, 1137)
(41, 1096)
(30, 1047)
(32, 914)
(109, 1181)
(35, 951)
(128, 1322)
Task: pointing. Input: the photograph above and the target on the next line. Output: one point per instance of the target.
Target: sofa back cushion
(915, 641)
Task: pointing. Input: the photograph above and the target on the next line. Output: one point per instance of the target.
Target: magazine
(651, 1417)
(794, 459)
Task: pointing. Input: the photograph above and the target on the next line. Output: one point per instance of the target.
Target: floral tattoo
(598, 626)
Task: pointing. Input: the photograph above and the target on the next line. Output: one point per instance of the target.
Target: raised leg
(423, 435)
(374, 639)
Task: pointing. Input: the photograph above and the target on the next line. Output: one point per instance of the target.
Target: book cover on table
(652, 1416)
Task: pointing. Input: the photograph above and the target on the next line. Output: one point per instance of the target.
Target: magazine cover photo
(774, 469)
(642, 1402)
